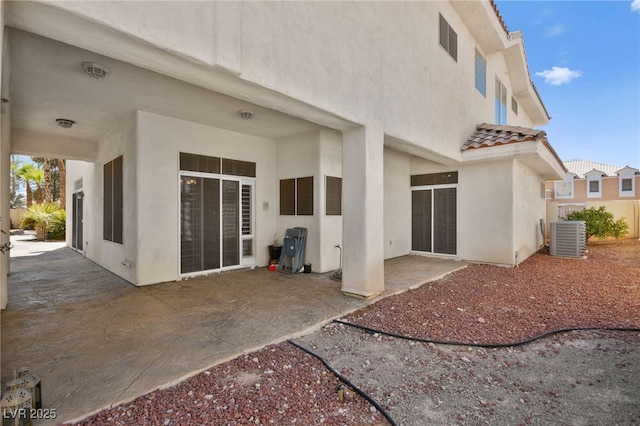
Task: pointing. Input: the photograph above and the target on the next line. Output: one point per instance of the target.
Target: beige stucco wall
(487, 235)
(299, 156)
(627, 209)
(397, 204)
(390, 76)
(119, 141)
(528, 210)
(330, 157)
(160, 140)
(610, 191)
(308, 51)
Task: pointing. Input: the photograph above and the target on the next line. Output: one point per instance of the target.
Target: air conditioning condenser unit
(568, 238)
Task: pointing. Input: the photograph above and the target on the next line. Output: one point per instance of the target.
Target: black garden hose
(487, 345)
(347, 382)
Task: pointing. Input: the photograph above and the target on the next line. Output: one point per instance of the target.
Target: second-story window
(481, 74)
(501, 103)
(594, 184)
(448, 39)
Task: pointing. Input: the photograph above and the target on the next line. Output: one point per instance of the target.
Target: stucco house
(195, 132)
(591, 184)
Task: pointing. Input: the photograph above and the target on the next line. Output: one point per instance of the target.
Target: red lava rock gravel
(491, 304)
(422, 382)
(276, 385)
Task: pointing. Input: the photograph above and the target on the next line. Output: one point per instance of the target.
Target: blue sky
(584, 58)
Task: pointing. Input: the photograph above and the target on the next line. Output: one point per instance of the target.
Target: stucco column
(362, 212)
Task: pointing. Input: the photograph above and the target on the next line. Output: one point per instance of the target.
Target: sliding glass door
(216, 222)
(433, 220)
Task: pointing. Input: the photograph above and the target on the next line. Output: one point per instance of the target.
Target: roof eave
(539, 156)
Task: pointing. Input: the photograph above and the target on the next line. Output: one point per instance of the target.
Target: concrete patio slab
(95, 340)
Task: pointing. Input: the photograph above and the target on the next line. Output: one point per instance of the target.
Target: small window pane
(594, 186)
(444, 33)
(627, 185)
(334, 196)
(481, 74)
(199, 163)
(453, 44)
(288, 197)
(305, 196)
(434, 179)
(238, 168)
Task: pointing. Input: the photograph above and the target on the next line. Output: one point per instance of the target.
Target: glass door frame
(244, 261)
(432, 188)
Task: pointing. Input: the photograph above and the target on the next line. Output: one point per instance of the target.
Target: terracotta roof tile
(492, 135)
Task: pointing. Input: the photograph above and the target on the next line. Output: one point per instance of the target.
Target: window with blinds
(112, 213)
(216, 165)
(448, 38)
(296, 196)
(333, 194)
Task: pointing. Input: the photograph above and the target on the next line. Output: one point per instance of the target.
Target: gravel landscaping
(578, 377)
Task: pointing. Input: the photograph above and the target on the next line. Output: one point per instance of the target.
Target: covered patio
(95, 340)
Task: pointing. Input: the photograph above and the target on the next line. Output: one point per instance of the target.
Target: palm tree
(30, 173)
(47, 181)
(62, 177)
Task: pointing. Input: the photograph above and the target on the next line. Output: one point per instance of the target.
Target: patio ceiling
(47, 82)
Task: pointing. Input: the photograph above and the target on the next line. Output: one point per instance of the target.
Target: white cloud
(635, 6)
(557, 29)
(559, 75)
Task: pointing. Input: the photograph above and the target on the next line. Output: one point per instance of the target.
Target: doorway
(434, 220)
(216, 223)
(76, 220)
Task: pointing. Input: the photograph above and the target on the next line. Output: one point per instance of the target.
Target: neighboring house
(589, 184)
(203, 129)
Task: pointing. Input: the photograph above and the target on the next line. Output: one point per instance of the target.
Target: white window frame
(432, 188)
(452, 42)
(244, 261)
(500, 103)
(594, 176)
(569, 179)
(627, 173)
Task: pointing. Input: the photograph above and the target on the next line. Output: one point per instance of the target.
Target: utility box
(568, 238)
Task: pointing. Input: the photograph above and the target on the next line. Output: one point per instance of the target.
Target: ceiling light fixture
(65, 123)
(97, 71)
(246, 114)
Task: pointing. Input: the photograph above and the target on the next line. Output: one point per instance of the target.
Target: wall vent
(568, 238)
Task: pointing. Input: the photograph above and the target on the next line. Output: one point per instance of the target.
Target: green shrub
(57, 225)
(600, 223)
(45, 219)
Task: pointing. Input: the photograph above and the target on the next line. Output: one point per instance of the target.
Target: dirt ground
(576, 378)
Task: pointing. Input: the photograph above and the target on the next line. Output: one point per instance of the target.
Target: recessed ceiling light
(65, 123)
(246, 114)
(94, 70)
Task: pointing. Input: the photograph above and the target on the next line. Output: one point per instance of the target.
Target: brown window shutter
(118, 196)
(305, 196)
(333, 196)
(107, 205)
(287, 197)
